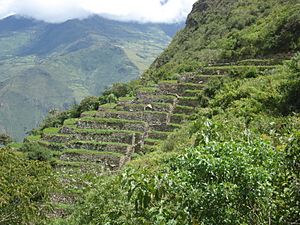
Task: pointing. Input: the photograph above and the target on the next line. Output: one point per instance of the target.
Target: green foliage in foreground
(25, 188)
(237, 163)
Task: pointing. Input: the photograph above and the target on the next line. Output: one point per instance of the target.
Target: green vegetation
(227, 31)
(240, 166)
(24, 195)
(46, 66)
(233, 156)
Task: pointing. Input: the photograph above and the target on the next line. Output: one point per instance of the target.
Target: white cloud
(56, 11)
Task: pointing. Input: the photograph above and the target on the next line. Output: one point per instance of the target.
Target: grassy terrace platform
(188, 110)
(198, 78)
(227, 70)
(160, 135)
(110, 124)
(164, 127)
(188, 101)
(192, 93)
(147, 116)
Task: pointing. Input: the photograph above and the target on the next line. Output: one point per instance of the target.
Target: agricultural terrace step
(227, 70)
(99, 146)
(52, 145)
(179, 109)
(108, 124)
(88, 145)
(198, 79)
(77, 168)
(192, 93)
(108, 159)
(152, 98)
(150, 148)
(69, 134)
(151, 142)
(164, 127)
(148, 90)
(147, 116)
(158, 135)
(261, 62)
(107, 106)
(188, 101)
(158, 107)
(178, 118)
(167, 87)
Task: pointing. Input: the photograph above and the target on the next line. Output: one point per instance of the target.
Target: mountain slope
(219, 31)
(211, 141)
(45, 66)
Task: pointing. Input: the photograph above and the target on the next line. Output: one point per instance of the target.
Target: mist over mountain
(142, 11)
(45, 66)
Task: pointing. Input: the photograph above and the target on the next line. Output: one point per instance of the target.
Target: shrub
(36, 152)
(5, 139)
(24, 189)
(89, 104)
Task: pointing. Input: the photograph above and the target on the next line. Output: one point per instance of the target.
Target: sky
(57, 11)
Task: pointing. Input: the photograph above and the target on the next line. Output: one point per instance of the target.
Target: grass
(110, 120)
(148, 89)
(184, 107)
(108, 106)
(51, 130)
(71, 121)
(89, 113)
(125, 99)
(130, 113)
(33, 138)
(15, 145)
(99, 143)
(98, 131)
(91, 152)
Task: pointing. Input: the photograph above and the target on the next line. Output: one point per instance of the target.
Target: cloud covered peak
(56, 11)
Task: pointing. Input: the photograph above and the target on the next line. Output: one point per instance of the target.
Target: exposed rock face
(199, 7)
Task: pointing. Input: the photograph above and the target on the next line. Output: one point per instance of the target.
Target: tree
(5, 139)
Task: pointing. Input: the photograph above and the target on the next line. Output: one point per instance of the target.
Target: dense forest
(227, 152)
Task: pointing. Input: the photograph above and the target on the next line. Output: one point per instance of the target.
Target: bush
(25, 189)
(5, 139)
(89, 104)
(36, 152)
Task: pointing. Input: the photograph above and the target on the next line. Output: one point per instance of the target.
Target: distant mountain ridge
(45, 66)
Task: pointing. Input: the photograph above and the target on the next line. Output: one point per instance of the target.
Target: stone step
(164, 127)
(108, 159)
(134, 107)
(68, 134)
(151, 142)
(197, 78)
(188, 110)
(177, 88)
(229, 70)
(110, 124)
(147, 98)
(99, 146)
(261, 62)
(192, 93)
(147, 116)
(188, 101)
(178, 118)
(158, 135)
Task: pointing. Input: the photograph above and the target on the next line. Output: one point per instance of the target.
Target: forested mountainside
(208, 135)
(52, 66)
